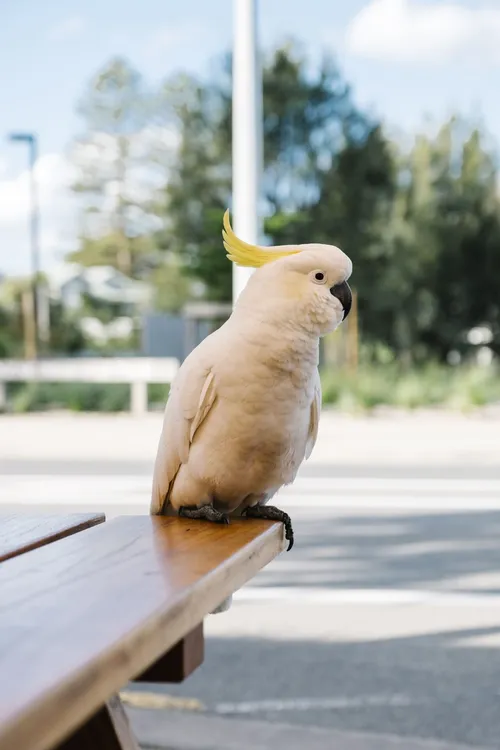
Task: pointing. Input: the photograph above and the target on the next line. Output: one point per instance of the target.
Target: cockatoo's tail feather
(252, 256)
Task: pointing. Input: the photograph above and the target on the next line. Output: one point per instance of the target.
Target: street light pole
(34, 226)
(247, 132)
(40, 329)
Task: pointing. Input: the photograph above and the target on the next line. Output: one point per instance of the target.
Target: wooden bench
(20, 534)
(85, 614)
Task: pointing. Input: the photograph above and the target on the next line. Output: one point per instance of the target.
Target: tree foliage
(422, 226)
(113, 162)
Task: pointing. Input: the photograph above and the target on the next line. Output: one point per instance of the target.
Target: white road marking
(412, 501)
(363, 597)
(162, 701)
(314, 704)
(377, 484)
(116, 490)
(301, 484)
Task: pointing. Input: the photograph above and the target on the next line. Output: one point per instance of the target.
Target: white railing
(137, 371)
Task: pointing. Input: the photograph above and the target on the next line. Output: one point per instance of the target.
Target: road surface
(384, 619)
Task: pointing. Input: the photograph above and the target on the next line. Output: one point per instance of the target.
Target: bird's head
(304, 284)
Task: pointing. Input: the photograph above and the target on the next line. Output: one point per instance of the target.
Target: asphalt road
(377, 621)
(384, 618)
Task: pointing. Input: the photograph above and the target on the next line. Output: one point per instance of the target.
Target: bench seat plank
(81, 618)
(22, 533)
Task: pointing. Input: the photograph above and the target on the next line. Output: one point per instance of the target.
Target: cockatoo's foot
(205, 512)
(270, 513)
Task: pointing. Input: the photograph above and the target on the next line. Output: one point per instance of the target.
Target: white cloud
(67, 29)
(57, 212)
(412, 32)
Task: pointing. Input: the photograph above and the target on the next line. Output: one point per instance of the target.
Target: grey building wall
(166, 335)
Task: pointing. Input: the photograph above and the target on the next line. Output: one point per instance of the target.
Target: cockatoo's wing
(191, 397)
(314, 418)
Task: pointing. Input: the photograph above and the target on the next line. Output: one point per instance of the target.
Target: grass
(78, 397)
(460, 388)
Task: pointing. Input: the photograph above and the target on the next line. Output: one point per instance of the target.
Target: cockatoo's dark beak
(344, 295)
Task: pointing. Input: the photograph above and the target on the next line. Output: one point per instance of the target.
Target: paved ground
(200, 732)
(425, 439)
(381, 626)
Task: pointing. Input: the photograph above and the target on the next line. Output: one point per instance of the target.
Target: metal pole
(29, 327)
(34, 241)
(40, 321)
(247, 132)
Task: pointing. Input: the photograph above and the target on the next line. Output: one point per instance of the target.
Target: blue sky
(409, 61)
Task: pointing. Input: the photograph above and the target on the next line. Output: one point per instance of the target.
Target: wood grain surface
(22, 533)
(80, 618)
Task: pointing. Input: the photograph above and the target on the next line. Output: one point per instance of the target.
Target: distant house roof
(100, 282)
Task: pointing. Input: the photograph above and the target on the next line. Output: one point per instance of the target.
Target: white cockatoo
(243, 410)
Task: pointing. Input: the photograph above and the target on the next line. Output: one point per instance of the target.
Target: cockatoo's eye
(319, 277)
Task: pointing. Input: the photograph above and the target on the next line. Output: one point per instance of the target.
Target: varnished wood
(81, 618)
(181, 661)
(108, 729)
(22, 533)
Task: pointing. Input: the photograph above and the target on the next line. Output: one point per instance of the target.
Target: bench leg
(181, 661)
(108, 729)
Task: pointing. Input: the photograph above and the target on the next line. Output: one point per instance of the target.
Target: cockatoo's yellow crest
(252, 256)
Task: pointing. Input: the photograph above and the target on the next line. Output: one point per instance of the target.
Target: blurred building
(71, 284)
(165, 335)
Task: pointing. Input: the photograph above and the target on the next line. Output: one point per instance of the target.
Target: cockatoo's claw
(271, 513)
(206, 513)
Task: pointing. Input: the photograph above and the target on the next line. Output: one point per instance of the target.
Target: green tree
(66, 336)
(356, 210)
(199, 186)
(422, 227)
(439, 248)
(172, 287)
(308, 118)
(467, 226)
(11, 333)
(114, 169)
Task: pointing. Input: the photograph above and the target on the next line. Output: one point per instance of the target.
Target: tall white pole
(247, 132)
